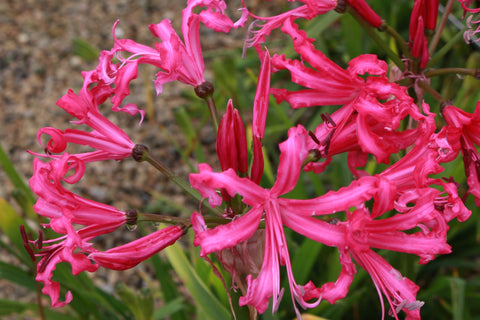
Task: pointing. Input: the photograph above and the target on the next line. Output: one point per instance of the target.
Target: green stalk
(210, 221)
(398, 39)
(441, 26)
(162, 218)
(205, 91)
(39, 295)
(213, 111)
(141, 153)
(436, 95)
(469, 72)
(444, 50)
(378, 40)
(14, 177)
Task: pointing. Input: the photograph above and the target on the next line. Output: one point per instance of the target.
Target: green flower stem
(205, 91)
(469, 72)
(435, 94)
(38, 289)
(213, 111)
(14, 177)
(162, 218)
(404, 82)
(444, 50)
(441, 26)
(398, 39)
(156, 217)
(141, 153)
(378, 40)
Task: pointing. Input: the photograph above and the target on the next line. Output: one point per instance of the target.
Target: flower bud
(232, 142)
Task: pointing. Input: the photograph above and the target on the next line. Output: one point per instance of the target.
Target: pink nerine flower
(373, 106)
(366, 12)
(109, 140)
(354, 237)
(465, 6)
(64, 210)
(63, 207)
(362, 231)
(264, 204)
(420, 229)
(76, 249)
(79, 221)
(94, 92)
(69, 248)
(471, 33)
(311, 9)
(469, 124)
(129, 255)
(177, 59)
(414, 170)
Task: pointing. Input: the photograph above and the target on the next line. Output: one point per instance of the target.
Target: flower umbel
(375, 172)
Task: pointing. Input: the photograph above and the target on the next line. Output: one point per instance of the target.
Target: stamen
(248, 38)
(326, 118)
(48, 255)
(39, 242)
(314, 138)
(26, 242)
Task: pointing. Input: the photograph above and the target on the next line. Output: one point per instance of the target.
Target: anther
(314, 138)
(26, 242)
(326, 118)
(39, 242)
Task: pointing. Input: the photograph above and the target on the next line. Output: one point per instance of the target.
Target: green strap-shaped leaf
(457, 286)
(207, 303)
(11, 307)
(169, 290)
(141, 305)
(16, 275)
(10, 222)
(24, 195)
(169, 309)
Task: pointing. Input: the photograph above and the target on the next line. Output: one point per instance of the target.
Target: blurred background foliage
(185, 285)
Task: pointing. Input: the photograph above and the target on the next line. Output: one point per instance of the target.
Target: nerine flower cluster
(411, 209)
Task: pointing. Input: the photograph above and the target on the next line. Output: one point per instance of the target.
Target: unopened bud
(26, 243)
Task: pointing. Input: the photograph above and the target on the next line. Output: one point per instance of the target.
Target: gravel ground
(38, 66)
